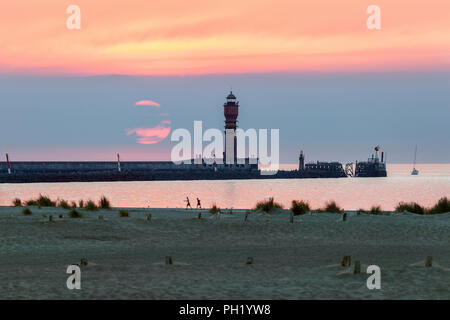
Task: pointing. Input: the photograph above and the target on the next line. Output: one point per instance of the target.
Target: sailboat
(415, 172)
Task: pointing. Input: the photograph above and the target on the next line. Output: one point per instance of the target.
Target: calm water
(351, 193)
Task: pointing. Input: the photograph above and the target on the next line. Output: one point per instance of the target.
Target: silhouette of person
(188, 203)
(199, 205)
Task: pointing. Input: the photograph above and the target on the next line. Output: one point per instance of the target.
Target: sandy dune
(126, 256)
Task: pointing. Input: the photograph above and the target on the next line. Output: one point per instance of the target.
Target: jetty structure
(373, 167)
(195, 169)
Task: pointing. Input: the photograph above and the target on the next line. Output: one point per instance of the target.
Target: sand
(126, 256)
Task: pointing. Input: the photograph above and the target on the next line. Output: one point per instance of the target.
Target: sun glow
(223, 36)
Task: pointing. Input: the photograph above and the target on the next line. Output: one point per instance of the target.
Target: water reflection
(351, 193)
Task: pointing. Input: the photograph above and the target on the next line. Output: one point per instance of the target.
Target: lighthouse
(301, 161)
(231, 110)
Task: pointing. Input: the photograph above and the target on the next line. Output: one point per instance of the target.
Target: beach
(301, 260)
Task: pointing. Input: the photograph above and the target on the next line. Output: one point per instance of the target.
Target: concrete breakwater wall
(27, 172)
(102, 166)
(86, 166)
(157, 175)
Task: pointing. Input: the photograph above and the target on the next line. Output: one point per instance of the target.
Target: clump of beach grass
(45, 201)
(104, 203)
(442, 206)
(268, 205)
(42, 201)
(17, 202)
(75, 214)
(64, 204)
(214, 209)
(27, 212)
(299, 207)
(360, 211)
(31, 202)
(81, 203)
(412, 207)
(124, 213)
(91, 206)
(376, 210)
(332, 207)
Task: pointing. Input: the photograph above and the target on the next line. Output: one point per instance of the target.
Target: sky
(137, 70)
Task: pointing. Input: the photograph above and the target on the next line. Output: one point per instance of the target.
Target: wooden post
(246, 216)
(149, 217)
(50, 218)
(291, 218)
(357, 269)
(429, 261)
(169, 260)
(199, 215)
(249, 260)
(344, 216)
(346, 261)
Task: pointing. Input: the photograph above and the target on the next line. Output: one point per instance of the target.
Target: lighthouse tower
(301, 161)
(231, 110)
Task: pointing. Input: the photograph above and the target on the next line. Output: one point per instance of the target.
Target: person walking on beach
(199, 205)
(188, 203)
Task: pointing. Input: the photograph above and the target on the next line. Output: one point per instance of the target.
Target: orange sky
(204, 36)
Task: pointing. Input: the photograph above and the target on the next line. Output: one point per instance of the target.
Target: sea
(432, 183)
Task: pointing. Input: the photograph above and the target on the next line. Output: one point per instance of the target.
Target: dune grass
(332, 207)
(299, 207)
(412, 207)
(124, 213)
(91, 206)
(214, 209)
(64, 204)
(375, 210)
(268, 205)
(360, 211)
(75, 214)
(17, 202)
(104, 203)
(42, 201)
(31, 202)
(442, 206)
(27, 212)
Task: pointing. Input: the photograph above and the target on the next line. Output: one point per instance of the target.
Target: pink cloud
(151, 135)
(148, 103)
